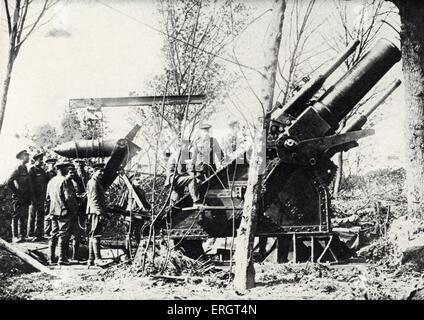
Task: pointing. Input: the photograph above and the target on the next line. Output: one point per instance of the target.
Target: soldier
(77, 220)
(51, 172)
(19, 183)
(39, 180)
(233, 140)
(82, 174)
(133, 225)
(179, 178)
(96, 214)
(63, 207)
(205, 149)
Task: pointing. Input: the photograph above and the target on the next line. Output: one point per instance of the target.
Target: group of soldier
(62, 202)
(193, 162)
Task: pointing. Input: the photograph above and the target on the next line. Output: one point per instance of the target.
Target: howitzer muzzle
(299, 102)
(339, 100)
(359, 121)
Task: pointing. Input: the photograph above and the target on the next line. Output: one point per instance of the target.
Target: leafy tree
(45, 136)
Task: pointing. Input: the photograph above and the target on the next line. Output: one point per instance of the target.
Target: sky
(105, 49)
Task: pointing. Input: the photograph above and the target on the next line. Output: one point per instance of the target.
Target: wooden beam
(26, 257)
(135, 101)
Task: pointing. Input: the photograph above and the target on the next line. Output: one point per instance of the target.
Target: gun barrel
(86, 148)
(354, 85)
(298, 103)
(358, 122)
(122, 153)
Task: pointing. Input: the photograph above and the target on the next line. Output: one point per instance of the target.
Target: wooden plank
(26, 257)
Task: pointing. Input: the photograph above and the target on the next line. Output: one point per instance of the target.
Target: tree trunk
(339, 174)
(244, 270)
(5, 83)
(412, 44)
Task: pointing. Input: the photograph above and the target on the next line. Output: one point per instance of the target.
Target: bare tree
(197, 33)
(22, 18)
(244, 269)
(295, 67)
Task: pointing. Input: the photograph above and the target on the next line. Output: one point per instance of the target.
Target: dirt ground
(273, 281)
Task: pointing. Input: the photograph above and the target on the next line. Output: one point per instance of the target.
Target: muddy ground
(273, 281)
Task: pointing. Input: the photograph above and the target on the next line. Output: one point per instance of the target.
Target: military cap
(79, 161)
(205, 125)
(21, 153)
(38, 155)
(70, 165)
(62, 164)
(98, 166)
(51, 160)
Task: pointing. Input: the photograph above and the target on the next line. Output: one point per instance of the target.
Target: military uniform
(63, 208)
(51, 173)
(178, 177)
(231, 143)
(205, 149)
(39, 180)
(96, 217)
(78, 221)
(19, 183)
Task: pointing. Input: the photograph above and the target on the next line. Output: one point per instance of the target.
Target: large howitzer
(303, 136)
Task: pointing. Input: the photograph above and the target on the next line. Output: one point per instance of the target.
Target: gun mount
(303, 136)
(300, 143)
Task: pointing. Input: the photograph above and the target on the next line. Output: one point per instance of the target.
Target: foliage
(197, 33)
(45, 135)
(71, 126)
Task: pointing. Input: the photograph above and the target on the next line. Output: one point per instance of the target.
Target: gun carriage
(302, 138)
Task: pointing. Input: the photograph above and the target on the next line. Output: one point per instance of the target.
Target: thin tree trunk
(244, 270)
(5, 83)
(412, 43)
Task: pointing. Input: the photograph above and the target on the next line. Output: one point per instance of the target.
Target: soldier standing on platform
(62, 203)
(233, 141)
(179, 178)
(39, 180)
(96, 214)
(19, 183)
(205, 150)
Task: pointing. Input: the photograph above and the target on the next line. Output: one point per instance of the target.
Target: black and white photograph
(205, 150)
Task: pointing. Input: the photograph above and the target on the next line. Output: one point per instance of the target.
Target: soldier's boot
(15, 230)
(90, 261)
(127, 247)
(97, 256)
(96, 248)
(21, 231)
(52, 250)
(75, 250)
(63, 246)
